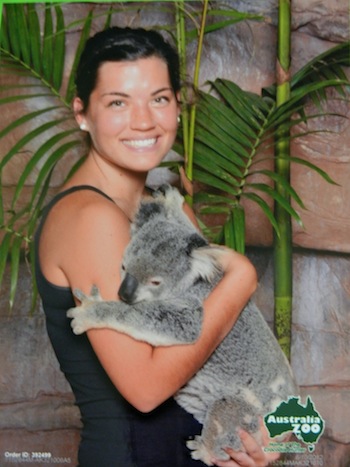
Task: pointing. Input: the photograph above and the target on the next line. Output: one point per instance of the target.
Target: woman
(128, 102)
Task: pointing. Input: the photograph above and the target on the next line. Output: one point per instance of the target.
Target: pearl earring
(83, 127)
(178, 119)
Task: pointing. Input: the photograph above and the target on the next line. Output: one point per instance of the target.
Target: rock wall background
(36, 407)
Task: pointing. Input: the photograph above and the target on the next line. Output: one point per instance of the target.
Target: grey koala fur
(168, 269)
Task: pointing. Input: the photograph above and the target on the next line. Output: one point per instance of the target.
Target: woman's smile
(140, 143)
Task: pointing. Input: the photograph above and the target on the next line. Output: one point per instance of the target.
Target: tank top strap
(78, 188)
(67, 192)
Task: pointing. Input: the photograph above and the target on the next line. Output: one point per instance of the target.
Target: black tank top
(114, 434)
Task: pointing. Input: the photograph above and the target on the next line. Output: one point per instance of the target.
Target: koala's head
(163, 260)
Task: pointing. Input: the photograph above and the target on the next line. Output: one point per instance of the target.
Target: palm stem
(283, 241)
(189, 167)
(181, 47)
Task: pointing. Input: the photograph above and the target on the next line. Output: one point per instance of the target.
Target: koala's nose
(128, 288)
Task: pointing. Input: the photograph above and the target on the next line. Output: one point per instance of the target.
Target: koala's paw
(84, 316)
(83, 298)
(205, 449)
(199, 450)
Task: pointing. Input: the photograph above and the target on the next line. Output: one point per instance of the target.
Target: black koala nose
(128, 288)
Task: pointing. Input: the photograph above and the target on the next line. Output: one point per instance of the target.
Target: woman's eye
(116, 103)
(161, 100)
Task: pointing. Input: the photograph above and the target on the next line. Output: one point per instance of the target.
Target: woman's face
(132, 114)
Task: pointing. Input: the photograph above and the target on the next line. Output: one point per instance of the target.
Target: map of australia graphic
(302, 420)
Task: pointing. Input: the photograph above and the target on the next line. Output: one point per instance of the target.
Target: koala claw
(80, 315)
(76, 328)
(77, 316)
(199, 451)
(94, 295)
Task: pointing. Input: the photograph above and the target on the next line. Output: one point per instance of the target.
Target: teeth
(140, 143)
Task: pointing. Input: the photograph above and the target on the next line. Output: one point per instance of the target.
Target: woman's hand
(254, 455)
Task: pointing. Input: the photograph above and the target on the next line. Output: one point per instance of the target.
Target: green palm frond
(32, 75)
(234, 131)
(327, 66)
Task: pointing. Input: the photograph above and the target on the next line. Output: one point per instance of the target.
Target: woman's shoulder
(84, 216)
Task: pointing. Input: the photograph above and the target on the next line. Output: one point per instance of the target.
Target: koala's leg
(220, 429)
(156, 322)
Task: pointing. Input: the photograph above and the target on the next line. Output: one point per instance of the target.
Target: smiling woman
(127, 100)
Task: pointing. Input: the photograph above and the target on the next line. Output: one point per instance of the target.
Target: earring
(178, 119)
(83, 126)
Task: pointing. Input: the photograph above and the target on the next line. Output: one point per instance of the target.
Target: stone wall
(37, 411)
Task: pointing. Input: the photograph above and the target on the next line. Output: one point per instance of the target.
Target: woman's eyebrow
(168, 88)
(123, 94)
(116, 93)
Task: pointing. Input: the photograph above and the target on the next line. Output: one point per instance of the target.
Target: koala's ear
(147, 211)
(195, 241)
(205, 263)
(204, 258)
(162, 190)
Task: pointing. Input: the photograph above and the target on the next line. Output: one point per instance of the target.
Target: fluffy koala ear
(147, 211)
(162, 190)
(195, 241)
(205, 258)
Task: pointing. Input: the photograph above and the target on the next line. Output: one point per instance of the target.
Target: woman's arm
(146, 376)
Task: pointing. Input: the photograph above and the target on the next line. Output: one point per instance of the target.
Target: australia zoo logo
(302, 420)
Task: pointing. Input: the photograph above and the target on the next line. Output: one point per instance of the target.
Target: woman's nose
(142, 118)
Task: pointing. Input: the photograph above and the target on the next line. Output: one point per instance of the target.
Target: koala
(168, 270)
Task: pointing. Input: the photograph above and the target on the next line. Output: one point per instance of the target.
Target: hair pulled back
(122, 44)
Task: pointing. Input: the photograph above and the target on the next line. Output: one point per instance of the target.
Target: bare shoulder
(89, 210)
(83, 240)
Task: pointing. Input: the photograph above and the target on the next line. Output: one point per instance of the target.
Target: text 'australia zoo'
(302, 420)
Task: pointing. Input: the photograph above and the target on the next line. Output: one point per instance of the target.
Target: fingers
(253, 457)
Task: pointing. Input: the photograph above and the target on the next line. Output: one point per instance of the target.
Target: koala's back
(248, 363)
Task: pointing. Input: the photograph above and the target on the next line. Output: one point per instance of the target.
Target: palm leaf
(48, 45)
(235, 127)
(228, 17)
(325, 67)
(37, 64)
(83, 38)
(59, 50)
(34, 34)
(5, 246)
(36, 158)
(15, 261)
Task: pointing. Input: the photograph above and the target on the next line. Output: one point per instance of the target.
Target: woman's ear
(78, 109)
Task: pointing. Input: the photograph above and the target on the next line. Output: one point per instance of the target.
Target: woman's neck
(126, 188)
